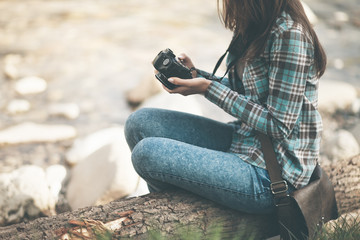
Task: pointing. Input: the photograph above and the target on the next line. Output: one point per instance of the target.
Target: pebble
(18, 106)
(10, 65)
(30, 85)
(67, 110)
(29, 132)
(341, 16)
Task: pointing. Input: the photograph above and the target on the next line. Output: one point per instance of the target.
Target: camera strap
(233, 42)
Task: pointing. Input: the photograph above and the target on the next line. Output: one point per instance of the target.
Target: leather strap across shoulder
(279, 186)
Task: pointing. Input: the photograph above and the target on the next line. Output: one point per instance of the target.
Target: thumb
(176, 81)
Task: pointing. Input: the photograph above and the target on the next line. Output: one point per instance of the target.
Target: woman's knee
(135, 121)
(144, 155)
(136, 125)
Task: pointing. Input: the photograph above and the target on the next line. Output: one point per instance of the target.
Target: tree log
(166, 212)
(175, 213)
(345, 177)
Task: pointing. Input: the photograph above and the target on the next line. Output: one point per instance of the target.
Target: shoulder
(289, 36)
(285, 26)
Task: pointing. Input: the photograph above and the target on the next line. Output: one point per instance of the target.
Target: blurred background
(71, 68)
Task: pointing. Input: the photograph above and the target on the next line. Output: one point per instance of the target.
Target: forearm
(207, 75)
(247, 111)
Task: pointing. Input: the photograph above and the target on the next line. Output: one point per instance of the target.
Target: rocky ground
(69, 65)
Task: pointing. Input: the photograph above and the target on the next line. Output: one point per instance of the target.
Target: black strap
(219, 63)
(232, 45)
(279, 186)
(279, 189)
(270, 158)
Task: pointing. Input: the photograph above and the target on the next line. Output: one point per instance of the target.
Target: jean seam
(257, 195)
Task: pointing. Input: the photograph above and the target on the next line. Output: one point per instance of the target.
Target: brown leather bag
(304, 211)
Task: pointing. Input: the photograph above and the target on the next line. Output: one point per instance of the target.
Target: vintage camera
(168, 66)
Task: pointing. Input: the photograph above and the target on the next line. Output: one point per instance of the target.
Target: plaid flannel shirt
(277, 96)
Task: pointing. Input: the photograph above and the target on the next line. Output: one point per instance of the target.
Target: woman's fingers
(178, 81)
(184, 59)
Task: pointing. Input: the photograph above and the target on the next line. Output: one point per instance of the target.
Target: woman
(274, 63)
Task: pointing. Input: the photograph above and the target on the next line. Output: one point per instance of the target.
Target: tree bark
(345, 176)
(175, 213)
(166, 212)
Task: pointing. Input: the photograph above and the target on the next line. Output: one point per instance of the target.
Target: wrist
(206, 84)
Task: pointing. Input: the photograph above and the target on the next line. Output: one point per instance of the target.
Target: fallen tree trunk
(166, 212)
(175, 213)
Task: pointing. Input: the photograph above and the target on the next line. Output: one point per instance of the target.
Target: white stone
(32, 133)
(85, 146)
(30, 85)
(339, 63)
(24, 192)
(11, 71)
(174, 102)
(18, 106)
(340, 145)
(355, 106)
(335, 95)
(106, 174)
(10, 65)
(141, 189)
(55, 175)
(341, 16)
(146, 88)
(67, 110)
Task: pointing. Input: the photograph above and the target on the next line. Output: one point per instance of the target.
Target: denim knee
(141, 156)
(133, 127)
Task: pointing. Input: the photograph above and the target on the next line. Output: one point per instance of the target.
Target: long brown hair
(254, 19)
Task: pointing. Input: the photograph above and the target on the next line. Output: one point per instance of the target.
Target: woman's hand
(185, 60)
(189, 86)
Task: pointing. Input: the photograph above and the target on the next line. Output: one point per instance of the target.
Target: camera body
(168, 66)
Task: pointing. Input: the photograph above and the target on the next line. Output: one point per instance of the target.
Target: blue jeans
(178, 150)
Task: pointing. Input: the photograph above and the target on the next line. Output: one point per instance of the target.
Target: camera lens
(166, 61)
